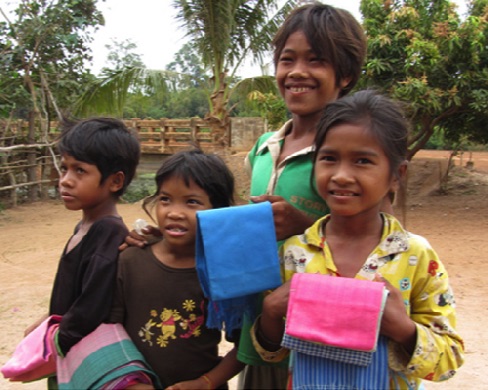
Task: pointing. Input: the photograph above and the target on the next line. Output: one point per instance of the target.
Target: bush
(141, 186)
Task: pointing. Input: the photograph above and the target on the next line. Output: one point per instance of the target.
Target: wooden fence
(28, 168)
(167, 136)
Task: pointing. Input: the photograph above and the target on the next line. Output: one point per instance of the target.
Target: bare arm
(228, 367)
(33, 326)
(141, 240)
(271, 324)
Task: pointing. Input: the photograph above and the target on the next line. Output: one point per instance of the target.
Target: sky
(152, 26)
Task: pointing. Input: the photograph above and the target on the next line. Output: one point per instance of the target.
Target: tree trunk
(218, 118)
(220, 132)
(31, 158)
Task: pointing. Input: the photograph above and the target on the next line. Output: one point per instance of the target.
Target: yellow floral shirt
(410, 264)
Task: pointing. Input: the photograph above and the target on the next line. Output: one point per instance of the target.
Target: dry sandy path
(32, 238)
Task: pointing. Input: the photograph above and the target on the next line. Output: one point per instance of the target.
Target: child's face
(306, 82)
(79, 185)
(176, 208)
(352, 171)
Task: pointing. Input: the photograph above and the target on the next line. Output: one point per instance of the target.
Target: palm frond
(263, 37)
(256, 25)
(108, 94)
(208, 24)
(263, 84)
(225, 32)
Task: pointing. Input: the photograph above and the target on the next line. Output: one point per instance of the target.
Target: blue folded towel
(309, 372)
(236, 259)
(349, 356)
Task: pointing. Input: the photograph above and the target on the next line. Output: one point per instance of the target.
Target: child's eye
(62, 169)
(164, 199)
(194, 202)
(285, 59)
(317, 59)
(363, 161)
(80, 171)
(327, 158)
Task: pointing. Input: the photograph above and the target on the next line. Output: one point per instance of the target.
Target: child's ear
(345, 82)
(117, 181)
(400, 176)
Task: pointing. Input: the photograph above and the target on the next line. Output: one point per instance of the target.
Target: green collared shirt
(289, 179)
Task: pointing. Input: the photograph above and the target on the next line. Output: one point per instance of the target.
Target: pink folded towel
(335, 311)
(35, 356)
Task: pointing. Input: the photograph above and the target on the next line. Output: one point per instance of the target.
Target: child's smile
(306, 82)
(352, 176)
(175, 230)
(176, 209)
(342, 193)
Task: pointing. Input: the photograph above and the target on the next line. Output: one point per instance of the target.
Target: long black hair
(208, 171)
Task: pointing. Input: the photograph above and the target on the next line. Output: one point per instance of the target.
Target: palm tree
(223, 33)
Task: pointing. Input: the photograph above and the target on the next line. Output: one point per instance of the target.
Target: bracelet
(262, 337)
(267, 356)
(207, 379)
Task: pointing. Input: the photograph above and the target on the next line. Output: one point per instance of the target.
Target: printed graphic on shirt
(394, 243)
(373, 264)
(170, 324)
(295, 259)
(445, 299)
(312, 208)
(433, 265)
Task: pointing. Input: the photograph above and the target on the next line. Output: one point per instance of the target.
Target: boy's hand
(288, 220)
(30, 328)
(276, 302)
(140, 240)
(271, 322)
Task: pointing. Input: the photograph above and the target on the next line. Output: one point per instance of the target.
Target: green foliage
(421, 52)
(190, 67)
(188, 103)
(223, 34)
(436, 141)
(122, 54)
(271, 107)
(43, 51)
(146, 93)
(108, 94)
(140, 187)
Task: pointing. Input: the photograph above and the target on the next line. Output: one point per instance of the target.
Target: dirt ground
(32, 238)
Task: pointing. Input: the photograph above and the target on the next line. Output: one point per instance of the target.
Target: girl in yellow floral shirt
(356, 240)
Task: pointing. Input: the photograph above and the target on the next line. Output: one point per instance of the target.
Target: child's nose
(299, 70)
(65, 180)
(176, 212)
(342, 175)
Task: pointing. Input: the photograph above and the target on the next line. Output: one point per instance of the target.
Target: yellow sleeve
(439, 351)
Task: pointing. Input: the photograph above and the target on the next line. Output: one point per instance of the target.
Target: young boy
(99, 157)
(318, 55)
